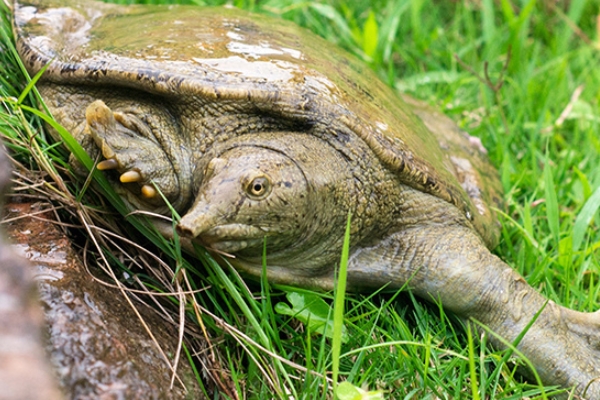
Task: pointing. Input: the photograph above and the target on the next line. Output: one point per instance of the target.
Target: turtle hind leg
(451, 264)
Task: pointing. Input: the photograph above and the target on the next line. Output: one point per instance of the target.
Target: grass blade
(338, 308)
(584, 218)
(551, 202)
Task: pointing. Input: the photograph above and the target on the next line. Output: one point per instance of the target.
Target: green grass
(542, 132)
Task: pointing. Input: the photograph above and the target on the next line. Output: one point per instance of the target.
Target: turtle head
(248, 193)
(274, 188)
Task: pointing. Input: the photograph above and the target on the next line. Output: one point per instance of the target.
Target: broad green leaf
(312, 311)
(347, 391)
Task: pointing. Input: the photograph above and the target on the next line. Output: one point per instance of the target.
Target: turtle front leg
(142, 154)
(451, 264)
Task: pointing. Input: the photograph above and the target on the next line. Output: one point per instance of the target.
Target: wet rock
(96, 343)
(24, 369)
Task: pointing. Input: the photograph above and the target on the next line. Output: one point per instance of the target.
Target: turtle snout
(195, 223)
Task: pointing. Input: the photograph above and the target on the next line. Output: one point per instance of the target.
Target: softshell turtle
(255, 130)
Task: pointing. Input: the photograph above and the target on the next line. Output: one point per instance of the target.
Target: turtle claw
(148, 192)
(128, 141)
(130, 176)
(105, 165)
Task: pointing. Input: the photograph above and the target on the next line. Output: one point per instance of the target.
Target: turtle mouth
(232, 238)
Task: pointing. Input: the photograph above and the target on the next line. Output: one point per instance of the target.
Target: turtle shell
(269, 65)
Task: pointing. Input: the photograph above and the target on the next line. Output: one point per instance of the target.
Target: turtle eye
(259, 187)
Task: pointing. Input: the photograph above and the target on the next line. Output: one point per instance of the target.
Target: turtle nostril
(184, 231)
